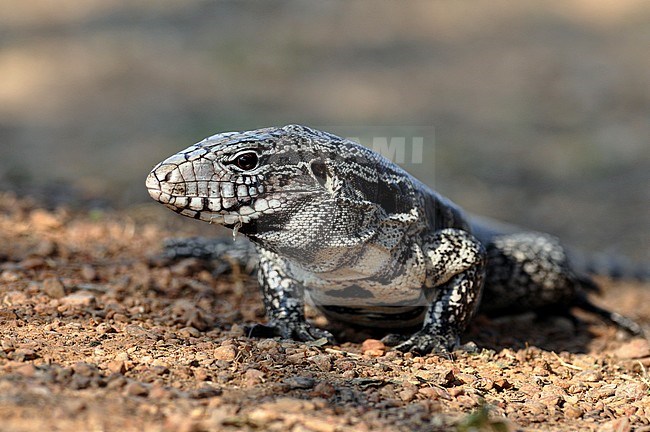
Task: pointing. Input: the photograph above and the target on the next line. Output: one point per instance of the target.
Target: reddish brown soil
(99, 333)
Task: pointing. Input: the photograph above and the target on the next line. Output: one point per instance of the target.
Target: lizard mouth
(228, 212)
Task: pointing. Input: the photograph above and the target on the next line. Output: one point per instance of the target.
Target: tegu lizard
(336, 224)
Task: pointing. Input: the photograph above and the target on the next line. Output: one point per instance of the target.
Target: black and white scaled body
(340, 226)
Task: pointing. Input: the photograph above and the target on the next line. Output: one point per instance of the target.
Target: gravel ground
(98, 332)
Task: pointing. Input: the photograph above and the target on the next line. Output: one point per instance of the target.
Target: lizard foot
(300, 331)
(424, 343)
(394, 339)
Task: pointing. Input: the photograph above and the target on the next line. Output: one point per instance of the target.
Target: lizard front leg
(456, 275)
(284, 302)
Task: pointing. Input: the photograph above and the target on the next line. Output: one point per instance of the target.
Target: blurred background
(535, 112)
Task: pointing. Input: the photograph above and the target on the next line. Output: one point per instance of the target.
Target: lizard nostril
(168, 176)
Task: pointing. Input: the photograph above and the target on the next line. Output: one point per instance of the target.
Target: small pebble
(88, 272)
(322, 361)
(135, 388)
(80, 382)
(122, 356)
(253, 377)
(53, 287)
(189, 332)
(572, 411)
(32, 263)
(206, 392)
(299, 382)
(116, 366)
(158, 392)
(589, 376)
(14, 298)
(372, 347)
(408, 394)
(319, 425)
(105, 328)
(324, 390)
(9, 276)
(85, 369)
(79, 299)
(26, 370)
(45, 249)
(616, 425)
(42, 219)
(225, 352)
(631, 390)
(201, 374)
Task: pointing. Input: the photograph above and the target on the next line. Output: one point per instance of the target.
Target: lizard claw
(394, 339)
(424, 343)
(300, 331)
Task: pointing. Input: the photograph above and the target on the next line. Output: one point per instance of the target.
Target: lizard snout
(153, 185)
(158, 182)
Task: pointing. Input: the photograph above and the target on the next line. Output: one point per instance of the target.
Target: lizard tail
(582, 302)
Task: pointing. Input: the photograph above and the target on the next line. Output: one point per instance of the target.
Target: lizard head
(241, 179)
(306, 194)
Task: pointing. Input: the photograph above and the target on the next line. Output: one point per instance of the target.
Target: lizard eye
(247, 161)
(319, 169)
